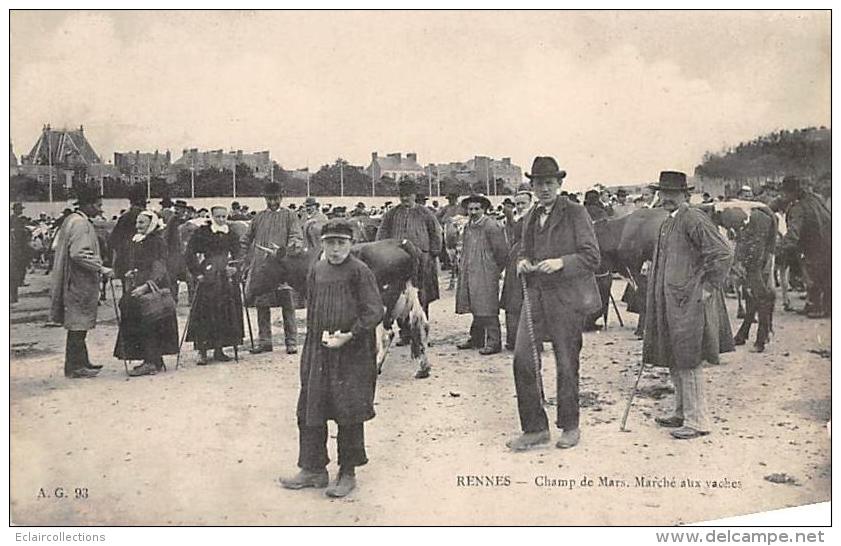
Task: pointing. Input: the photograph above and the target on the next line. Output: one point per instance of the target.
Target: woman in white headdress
(216, 316)
(141, 338)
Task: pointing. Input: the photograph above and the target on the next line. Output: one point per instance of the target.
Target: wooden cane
(631, 398)
(119, 323)
(187, 325)
(247, 315)
(532, 340)
(616, 310)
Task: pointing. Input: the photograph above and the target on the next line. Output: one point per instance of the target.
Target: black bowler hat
(337, 228)
(476, 198)
(545, 167)
(671, 180)
(180, 204)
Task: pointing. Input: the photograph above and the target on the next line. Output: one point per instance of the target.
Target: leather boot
(477, 335)
(345, 483)
(493, 337)
(306, 478)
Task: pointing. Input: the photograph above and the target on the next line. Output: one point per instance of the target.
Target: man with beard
(686, 320)
(273, 229)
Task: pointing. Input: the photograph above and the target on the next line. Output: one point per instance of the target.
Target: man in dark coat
(315, 220)
(338, 363)
(20, 251)
(418, 224)
(273, 229)
(125, 229)
(483, 257)
(686, 320)
(595, 207)
(512, 290)
(755, 244)
(559, 256)
(75, 282)
(809, 231)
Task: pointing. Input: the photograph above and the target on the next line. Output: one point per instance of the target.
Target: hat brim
(558, 174)
(659, 187)
(483, 200)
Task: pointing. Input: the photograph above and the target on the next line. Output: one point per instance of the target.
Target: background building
(394, 166)
(137, 166)
(260, 163)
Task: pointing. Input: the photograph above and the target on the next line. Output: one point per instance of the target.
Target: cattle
(453, 238)
(626, 243)
(396, 266)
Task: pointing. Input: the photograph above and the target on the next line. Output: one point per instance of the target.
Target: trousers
(75, 351)
(690, 398)
(763, 307)
(290, 327)
(563, 327)
(312, 446)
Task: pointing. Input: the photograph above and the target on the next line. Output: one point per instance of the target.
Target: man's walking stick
(535, 355)
(631, 398)
(616, 309)
(247, 315)
(119, 324)
(187, 326)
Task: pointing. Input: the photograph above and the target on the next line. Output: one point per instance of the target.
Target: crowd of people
(539, 246)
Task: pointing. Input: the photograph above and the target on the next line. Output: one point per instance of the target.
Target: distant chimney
(81, 128)
(396, 155)
(506, 160)
(412, 156)
(373, 156)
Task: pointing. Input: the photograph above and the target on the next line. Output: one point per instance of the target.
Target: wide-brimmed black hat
(18, 206)
(476, 198)
(337, 228)
(545, 167)
(272, 189)
(407, 186)
(137, 195)
(85, 195)
(671, 180)
(310, 201)
(180, 204)
(792, 183)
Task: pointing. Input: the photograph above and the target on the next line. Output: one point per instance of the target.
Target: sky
(614, 96)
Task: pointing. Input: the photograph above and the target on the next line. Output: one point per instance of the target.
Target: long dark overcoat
(681, 327)
(339, 384)
(483, 257)
(216, 317)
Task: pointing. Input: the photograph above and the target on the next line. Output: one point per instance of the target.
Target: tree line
(331, 179)
(804, 152)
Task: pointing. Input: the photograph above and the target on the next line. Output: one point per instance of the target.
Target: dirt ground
(205, 445)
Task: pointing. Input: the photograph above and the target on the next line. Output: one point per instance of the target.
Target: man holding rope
(559, 257)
